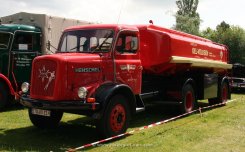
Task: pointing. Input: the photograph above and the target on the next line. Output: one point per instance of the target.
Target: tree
(187, 7)
(223, 26)
(232, 36)
(187, 18)
(209, 34)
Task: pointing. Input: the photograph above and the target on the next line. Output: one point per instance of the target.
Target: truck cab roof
(103, 26)
(18, 27)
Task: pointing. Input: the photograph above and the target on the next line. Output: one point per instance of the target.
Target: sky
(212, 12)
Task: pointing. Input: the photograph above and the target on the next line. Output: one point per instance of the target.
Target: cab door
(127, 60)
(26, 46)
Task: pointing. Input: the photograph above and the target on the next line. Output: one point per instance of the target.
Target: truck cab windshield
(4, 40)
(89, 41)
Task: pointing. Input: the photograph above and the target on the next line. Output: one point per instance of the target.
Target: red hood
(70, 72)
(71, 57)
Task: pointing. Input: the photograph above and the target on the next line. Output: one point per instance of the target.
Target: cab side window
(127, 43)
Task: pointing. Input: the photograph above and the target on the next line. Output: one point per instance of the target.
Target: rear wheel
(223, 95)
(3, 96)
(44, 121)
(188, 99)
(116, 117)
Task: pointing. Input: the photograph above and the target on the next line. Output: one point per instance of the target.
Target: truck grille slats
(43, 78)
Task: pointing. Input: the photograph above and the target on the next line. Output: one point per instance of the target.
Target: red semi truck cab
(108, 71)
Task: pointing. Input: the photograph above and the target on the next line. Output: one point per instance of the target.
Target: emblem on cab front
(127, 67)
(46, 74)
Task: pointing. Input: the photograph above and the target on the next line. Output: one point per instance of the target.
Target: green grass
(218, 129)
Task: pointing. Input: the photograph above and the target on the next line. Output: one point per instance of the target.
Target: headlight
(82, 92)
(25, 87)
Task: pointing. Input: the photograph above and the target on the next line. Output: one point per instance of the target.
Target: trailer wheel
(115, 119)
(3, 96)
(223, 95)
(188, 99)
(46, 122)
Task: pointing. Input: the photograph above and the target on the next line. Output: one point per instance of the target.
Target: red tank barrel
(163, 48)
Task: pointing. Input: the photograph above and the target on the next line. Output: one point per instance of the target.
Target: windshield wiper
(78, 46)
(104, 42)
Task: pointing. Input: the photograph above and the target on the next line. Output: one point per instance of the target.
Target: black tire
(223, 95)
(188, 99)
(4, 96)
(46, 122)
(115, 119)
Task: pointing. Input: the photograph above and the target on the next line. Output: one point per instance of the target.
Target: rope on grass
(148, 126)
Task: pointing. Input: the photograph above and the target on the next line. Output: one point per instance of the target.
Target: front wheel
(116, 117)
(46, 122)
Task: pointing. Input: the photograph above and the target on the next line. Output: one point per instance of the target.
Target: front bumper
(58, 105)
(238, 85)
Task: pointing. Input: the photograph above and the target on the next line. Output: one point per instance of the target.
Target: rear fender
(191, 82)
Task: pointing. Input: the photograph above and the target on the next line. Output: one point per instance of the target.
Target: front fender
(104, 93)
(6, 81)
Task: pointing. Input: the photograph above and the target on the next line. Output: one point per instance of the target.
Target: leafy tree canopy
(232, 36)
(187, 18)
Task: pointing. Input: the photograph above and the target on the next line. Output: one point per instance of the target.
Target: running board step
(168, 102)
(141, 109)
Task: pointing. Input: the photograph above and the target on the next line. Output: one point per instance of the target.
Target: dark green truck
(19, 45)
(23, 36)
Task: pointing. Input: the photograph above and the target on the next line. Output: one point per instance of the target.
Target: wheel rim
(117, 118)
(224, 93)
(189, 101)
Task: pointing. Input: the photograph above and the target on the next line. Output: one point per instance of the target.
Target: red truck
(108, 71)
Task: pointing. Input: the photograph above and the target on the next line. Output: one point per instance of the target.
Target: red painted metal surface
(189, 101)
(157, 46)
(6, 80)
(117, 118)
(115, 27)
(60, 70)
(44, 78)
(128, 67)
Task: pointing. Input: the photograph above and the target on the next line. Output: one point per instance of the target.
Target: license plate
(242, 85)
(41, 112)
(234, 85)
